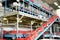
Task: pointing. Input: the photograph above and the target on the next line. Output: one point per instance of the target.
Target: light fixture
(58, 6)
(20, 21)
(57, 12)
(55, 3)
(41, 23)
(18, 0)
(32, 22)
(4, 18)
(15, 4)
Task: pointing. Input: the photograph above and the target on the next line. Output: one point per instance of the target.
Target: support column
(32, 22)
(51, 32)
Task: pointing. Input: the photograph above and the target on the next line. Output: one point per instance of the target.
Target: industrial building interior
(29, 19)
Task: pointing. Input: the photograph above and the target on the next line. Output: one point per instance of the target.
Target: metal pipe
(5, 7)
(23, 5)
(4, 15)
(7, 21)
(31, 26)
(2, 32)
(51, 32)
(21, 18)
(54, 32)
(32, 22)
(17, 21)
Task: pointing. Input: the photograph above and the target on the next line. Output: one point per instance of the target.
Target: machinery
(27, 12)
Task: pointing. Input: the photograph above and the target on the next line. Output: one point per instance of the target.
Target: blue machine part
(9, 35)
(22, 35)
(47, 35)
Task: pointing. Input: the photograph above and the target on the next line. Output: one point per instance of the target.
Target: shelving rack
(20, 11)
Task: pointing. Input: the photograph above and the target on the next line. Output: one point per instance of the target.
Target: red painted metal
(4, 32)
(46, 33)
(2, 39)
(45, 7)
(32, 0)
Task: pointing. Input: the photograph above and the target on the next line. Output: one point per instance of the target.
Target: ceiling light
(55, 3)
(58, 6)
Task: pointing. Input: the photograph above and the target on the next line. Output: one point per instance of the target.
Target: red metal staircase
(34, 35)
